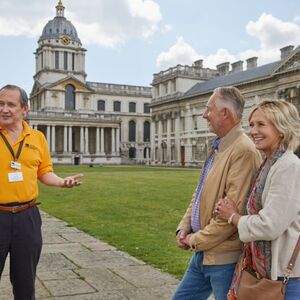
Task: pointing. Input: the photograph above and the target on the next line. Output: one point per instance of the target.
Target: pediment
(36, 87)
(290, 63)
(61, 85)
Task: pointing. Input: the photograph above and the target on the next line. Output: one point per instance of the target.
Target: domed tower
(60, 51)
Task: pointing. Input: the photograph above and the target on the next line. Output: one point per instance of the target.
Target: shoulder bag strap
(292, 261)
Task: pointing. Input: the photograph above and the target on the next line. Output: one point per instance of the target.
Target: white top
(279, 219)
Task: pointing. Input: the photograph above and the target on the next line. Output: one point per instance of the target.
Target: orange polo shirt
(35, 161)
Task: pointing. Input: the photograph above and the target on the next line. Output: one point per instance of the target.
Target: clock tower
(60, 51)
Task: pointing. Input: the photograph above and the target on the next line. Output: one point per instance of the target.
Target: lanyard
(15, 157)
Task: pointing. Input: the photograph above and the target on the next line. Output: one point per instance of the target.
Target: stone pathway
(76, 266)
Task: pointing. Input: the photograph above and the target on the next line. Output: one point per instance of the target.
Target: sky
(127, 41)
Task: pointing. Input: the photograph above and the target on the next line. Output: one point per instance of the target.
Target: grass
(135, 209)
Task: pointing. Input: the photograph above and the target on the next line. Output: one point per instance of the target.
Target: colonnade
(166, 145)
(91, 140)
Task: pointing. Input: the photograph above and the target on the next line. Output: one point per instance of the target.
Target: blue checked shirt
(196, 206)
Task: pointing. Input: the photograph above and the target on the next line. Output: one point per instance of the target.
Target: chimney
(237, 66)
(223, 68)
(251, 62)
(285, 51)
(198, 63)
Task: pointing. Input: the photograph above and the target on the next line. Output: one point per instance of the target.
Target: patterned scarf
(256, 256)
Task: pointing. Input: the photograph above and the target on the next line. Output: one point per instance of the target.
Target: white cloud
(297, 19)
(183, 53)
(180, 53)
(166, 28)
(273, 32)
(264, 55)
(222, 55)
(106, 23)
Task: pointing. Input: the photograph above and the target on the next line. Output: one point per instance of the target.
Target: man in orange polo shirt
(24, 159)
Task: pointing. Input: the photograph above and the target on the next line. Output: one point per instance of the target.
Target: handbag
(252, 287)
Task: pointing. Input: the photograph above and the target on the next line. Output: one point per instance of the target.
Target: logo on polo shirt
(31, 146)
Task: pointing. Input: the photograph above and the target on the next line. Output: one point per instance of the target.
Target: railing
(185, 70)
(120, 88)
(72, 116)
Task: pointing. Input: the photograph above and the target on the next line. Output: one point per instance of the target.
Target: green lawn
(136, 209)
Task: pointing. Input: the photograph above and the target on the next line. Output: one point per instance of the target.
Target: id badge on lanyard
(16, 175)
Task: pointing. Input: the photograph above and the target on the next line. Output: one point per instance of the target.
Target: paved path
(77, 266)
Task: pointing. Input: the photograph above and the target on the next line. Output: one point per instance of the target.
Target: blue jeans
(292, 291)
(199, 280)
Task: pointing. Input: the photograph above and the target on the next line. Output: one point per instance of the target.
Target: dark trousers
(20, 236)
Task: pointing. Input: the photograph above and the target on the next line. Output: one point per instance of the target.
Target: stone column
(152, 138)
(86, 140)
(147, 155)
(70, 139)
(188, 120)
(113, 141)
(48, 136)
(188, 153)
(53, 138)
(118, 141)
(97, 141)
(102, 141)
(159, 154)
(169, 140)
(65, 138)
(81, 139)
(177, 139)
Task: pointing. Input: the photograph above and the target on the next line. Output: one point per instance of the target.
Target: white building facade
(85, 122)
(180, 136)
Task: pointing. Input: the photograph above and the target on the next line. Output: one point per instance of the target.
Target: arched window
(132, 107)
(70, 97)
(117, 106)
(132, 152)
(101, 105)
(146, 131)
(131, 131)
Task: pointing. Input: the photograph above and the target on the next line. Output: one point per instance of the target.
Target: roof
(59, 26)
(233, 79)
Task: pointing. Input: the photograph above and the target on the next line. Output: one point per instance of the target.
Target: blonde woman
(271, 228)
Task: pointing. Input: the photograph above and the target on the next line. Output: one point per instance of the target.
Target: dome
(59, 26)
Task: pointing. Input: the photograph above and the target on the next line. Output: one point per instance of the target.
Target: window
(70, 97)
(65, 60)
(146, 108)
(166, 88)
(195, 122)
(132, 152)
(132, 107)
(101, 105)
(131, 131)
(146, 131)
(56, 60)
(174, 85)
(117, 106)
(73, 61)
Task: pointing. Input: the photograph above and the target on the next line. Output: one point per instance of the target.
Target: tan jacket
(234, 167)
